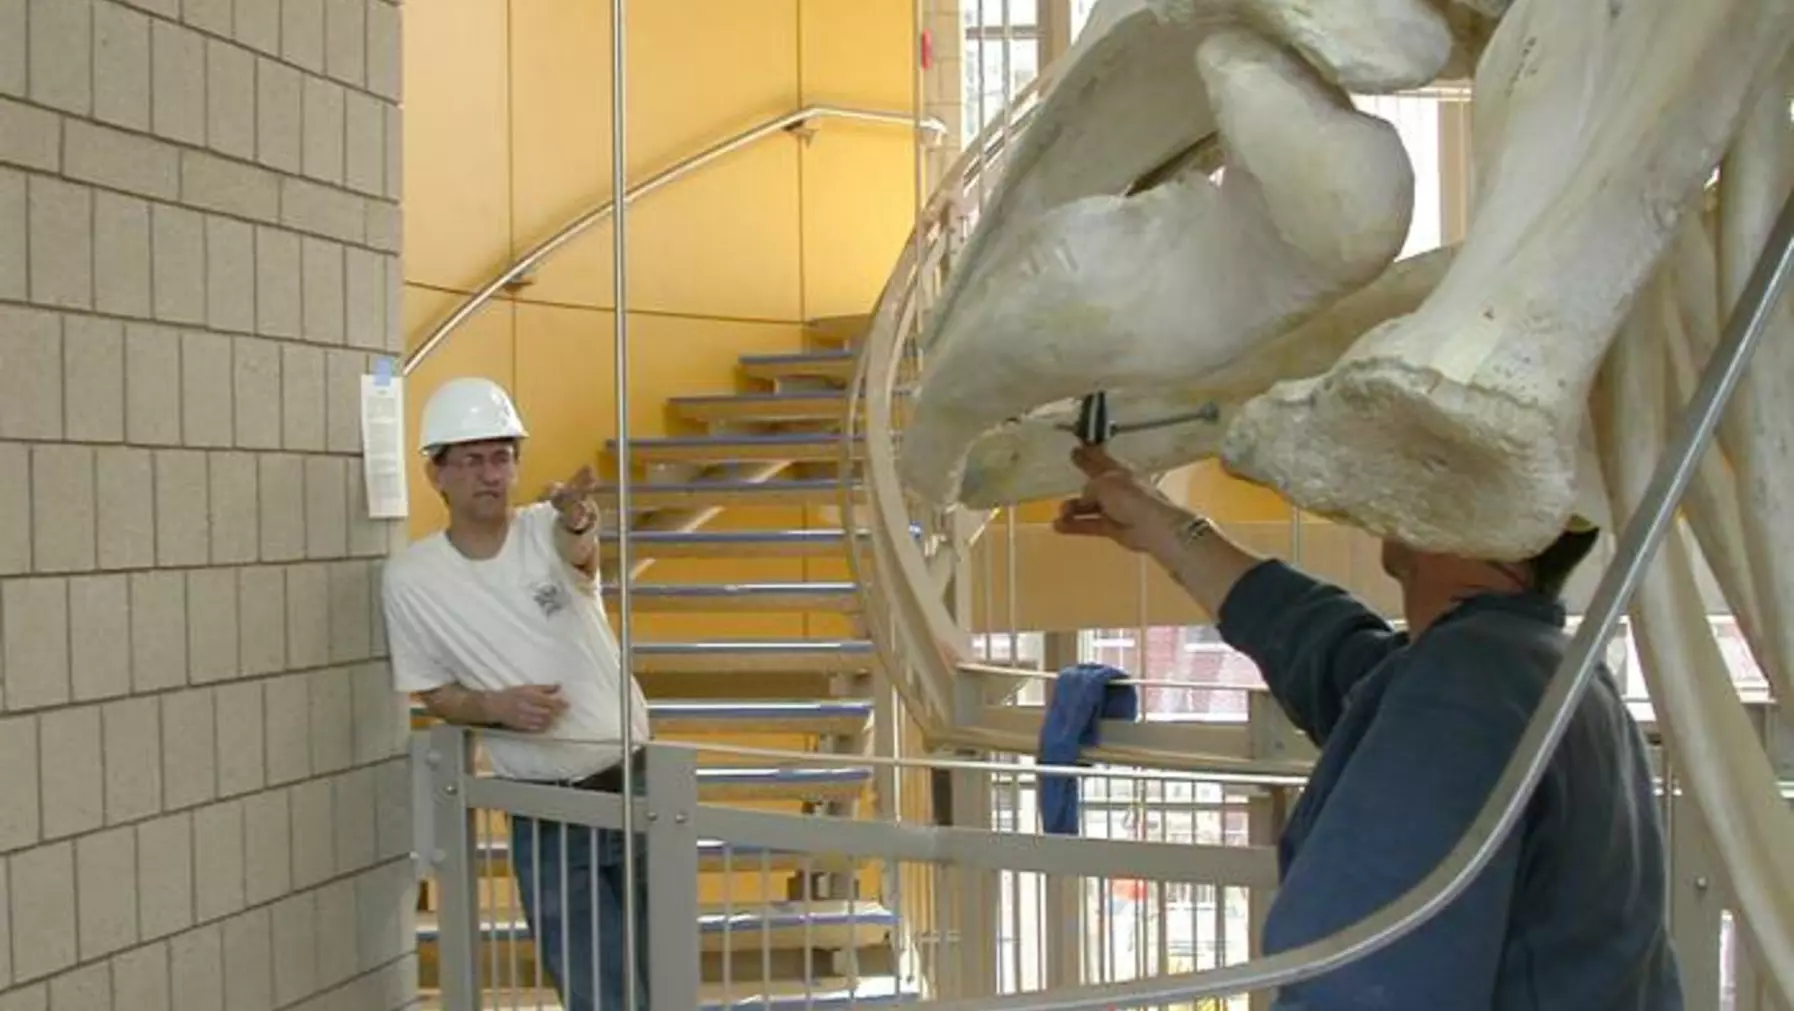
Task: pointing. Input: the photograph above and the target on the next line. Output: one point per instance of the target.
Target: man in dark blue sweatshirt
(1414, 729)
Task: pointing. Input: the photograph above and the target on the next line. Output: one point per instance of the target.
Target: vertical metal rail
(1010, 576)
(619, 172)
(458, 970)
(891, 715)
(672, 871)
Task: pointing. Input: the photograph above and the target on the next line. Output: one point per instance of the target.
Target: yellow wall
(1068, 583)
(508, 136)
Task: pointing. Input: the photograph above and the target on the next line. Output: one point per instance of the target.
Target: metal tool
(1094, 427)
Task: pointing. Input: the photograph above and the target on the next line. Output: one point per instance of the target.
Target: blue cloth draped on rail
(1083, 696)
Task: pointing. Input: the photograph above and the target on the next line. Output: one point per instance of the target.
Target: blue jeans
(582, 911)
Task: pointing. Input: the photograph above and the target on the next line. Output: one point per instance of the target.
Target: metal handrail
(684, 168)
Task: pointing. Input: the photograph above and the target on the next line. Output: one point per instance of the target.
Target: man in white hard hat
(496, 622)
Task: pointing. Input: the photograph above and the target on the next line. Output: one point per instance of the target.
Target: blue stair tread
(755, 646)
(729, 536)
(731, 589)
(745, 710)
(799, 356)
(713, 774)
(759, 710)
(772, 916)
(781, 485)
(743, 439)
(760, 398)
(706, 847)
(794, 915)
(738, 536)
(869, 993)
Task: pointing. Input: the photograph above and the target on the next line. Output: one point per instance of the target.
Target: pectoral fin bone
(1454, 429)
(1097, 293)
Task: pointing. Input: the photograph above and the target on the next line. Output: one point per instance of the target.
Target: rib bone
(1180, 281)
(1362, 45)
(1757, 178)
(1454, 429)
(1031, 458)
(1708, 731)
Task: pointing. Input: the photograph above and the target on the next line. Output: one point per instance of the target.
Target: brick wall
(203, 800)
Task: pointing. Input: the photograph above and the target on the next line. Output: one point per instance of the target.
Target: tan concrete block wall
(203, 795)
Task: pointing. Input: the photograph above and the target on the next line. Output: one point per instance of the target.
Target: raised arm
(576, 527)
(1311, 641)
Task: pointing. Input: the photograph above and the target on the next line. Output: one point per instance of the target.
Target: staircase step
(730, 544)
(801, 447)
(804, 405)
(699, 494)
(832, 365)
(661, 598)
(843, 716)
(754, 656)
(740, 995)
(815, 786)
(700, 717)
(829, 925)
(837, 331)
(714, 856)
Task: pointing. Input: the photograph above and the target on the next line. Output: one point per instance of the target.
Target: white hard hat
(468, 410)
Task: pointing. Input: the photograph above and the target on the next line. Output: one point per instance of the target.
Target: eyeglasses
(502, 459)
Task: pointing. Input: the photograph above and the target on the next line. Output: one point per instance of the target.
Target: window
(1220, 677)
(1029, 652)
(1416, 121)
(1080, 15)
(989, 14)
(1000, 58)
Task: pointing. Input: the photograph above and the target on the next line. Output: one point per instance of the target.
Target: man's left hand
(574, 500)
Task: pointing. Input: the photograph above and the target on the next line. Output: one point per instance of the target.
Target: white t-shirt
(522, 617)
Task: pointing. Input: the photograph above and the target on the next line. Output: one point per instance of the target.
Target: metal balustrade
(758, 908)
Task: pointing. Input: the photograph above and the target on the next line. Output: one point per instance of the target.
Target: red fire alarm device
(927, 49)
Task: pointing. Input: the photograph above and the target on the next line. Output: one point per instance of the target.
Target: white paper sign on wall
(383, 443)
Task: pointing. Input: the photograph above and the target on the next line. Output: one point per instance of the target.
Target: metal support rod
(619, 173)
(1637, 544)
(449, 760)
(672, 868)
(685, 168)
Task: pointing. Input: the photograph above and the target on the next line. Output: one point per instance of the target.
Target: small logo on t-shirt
(551, 598)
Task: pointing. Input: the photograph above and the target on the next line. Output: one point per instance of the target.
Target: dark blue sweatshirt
(1569, 916)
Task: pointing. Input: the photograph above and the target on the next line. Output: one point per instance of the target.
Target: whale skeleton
(1629, 234)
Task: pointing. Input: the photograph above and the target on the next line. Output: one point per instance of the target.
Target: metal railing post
(672, 872)
(450, 760)
(1696, 897)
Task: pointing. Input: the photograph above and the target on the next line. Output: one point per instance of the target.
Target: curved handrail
(918, 641)
(580, 224)
(920, 670)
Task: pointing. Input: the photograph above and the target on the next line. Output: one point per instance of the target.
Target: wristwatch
(1192, 529)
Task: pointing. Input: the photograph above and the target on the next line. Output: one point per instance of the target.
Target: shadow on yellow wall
(508, 138)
